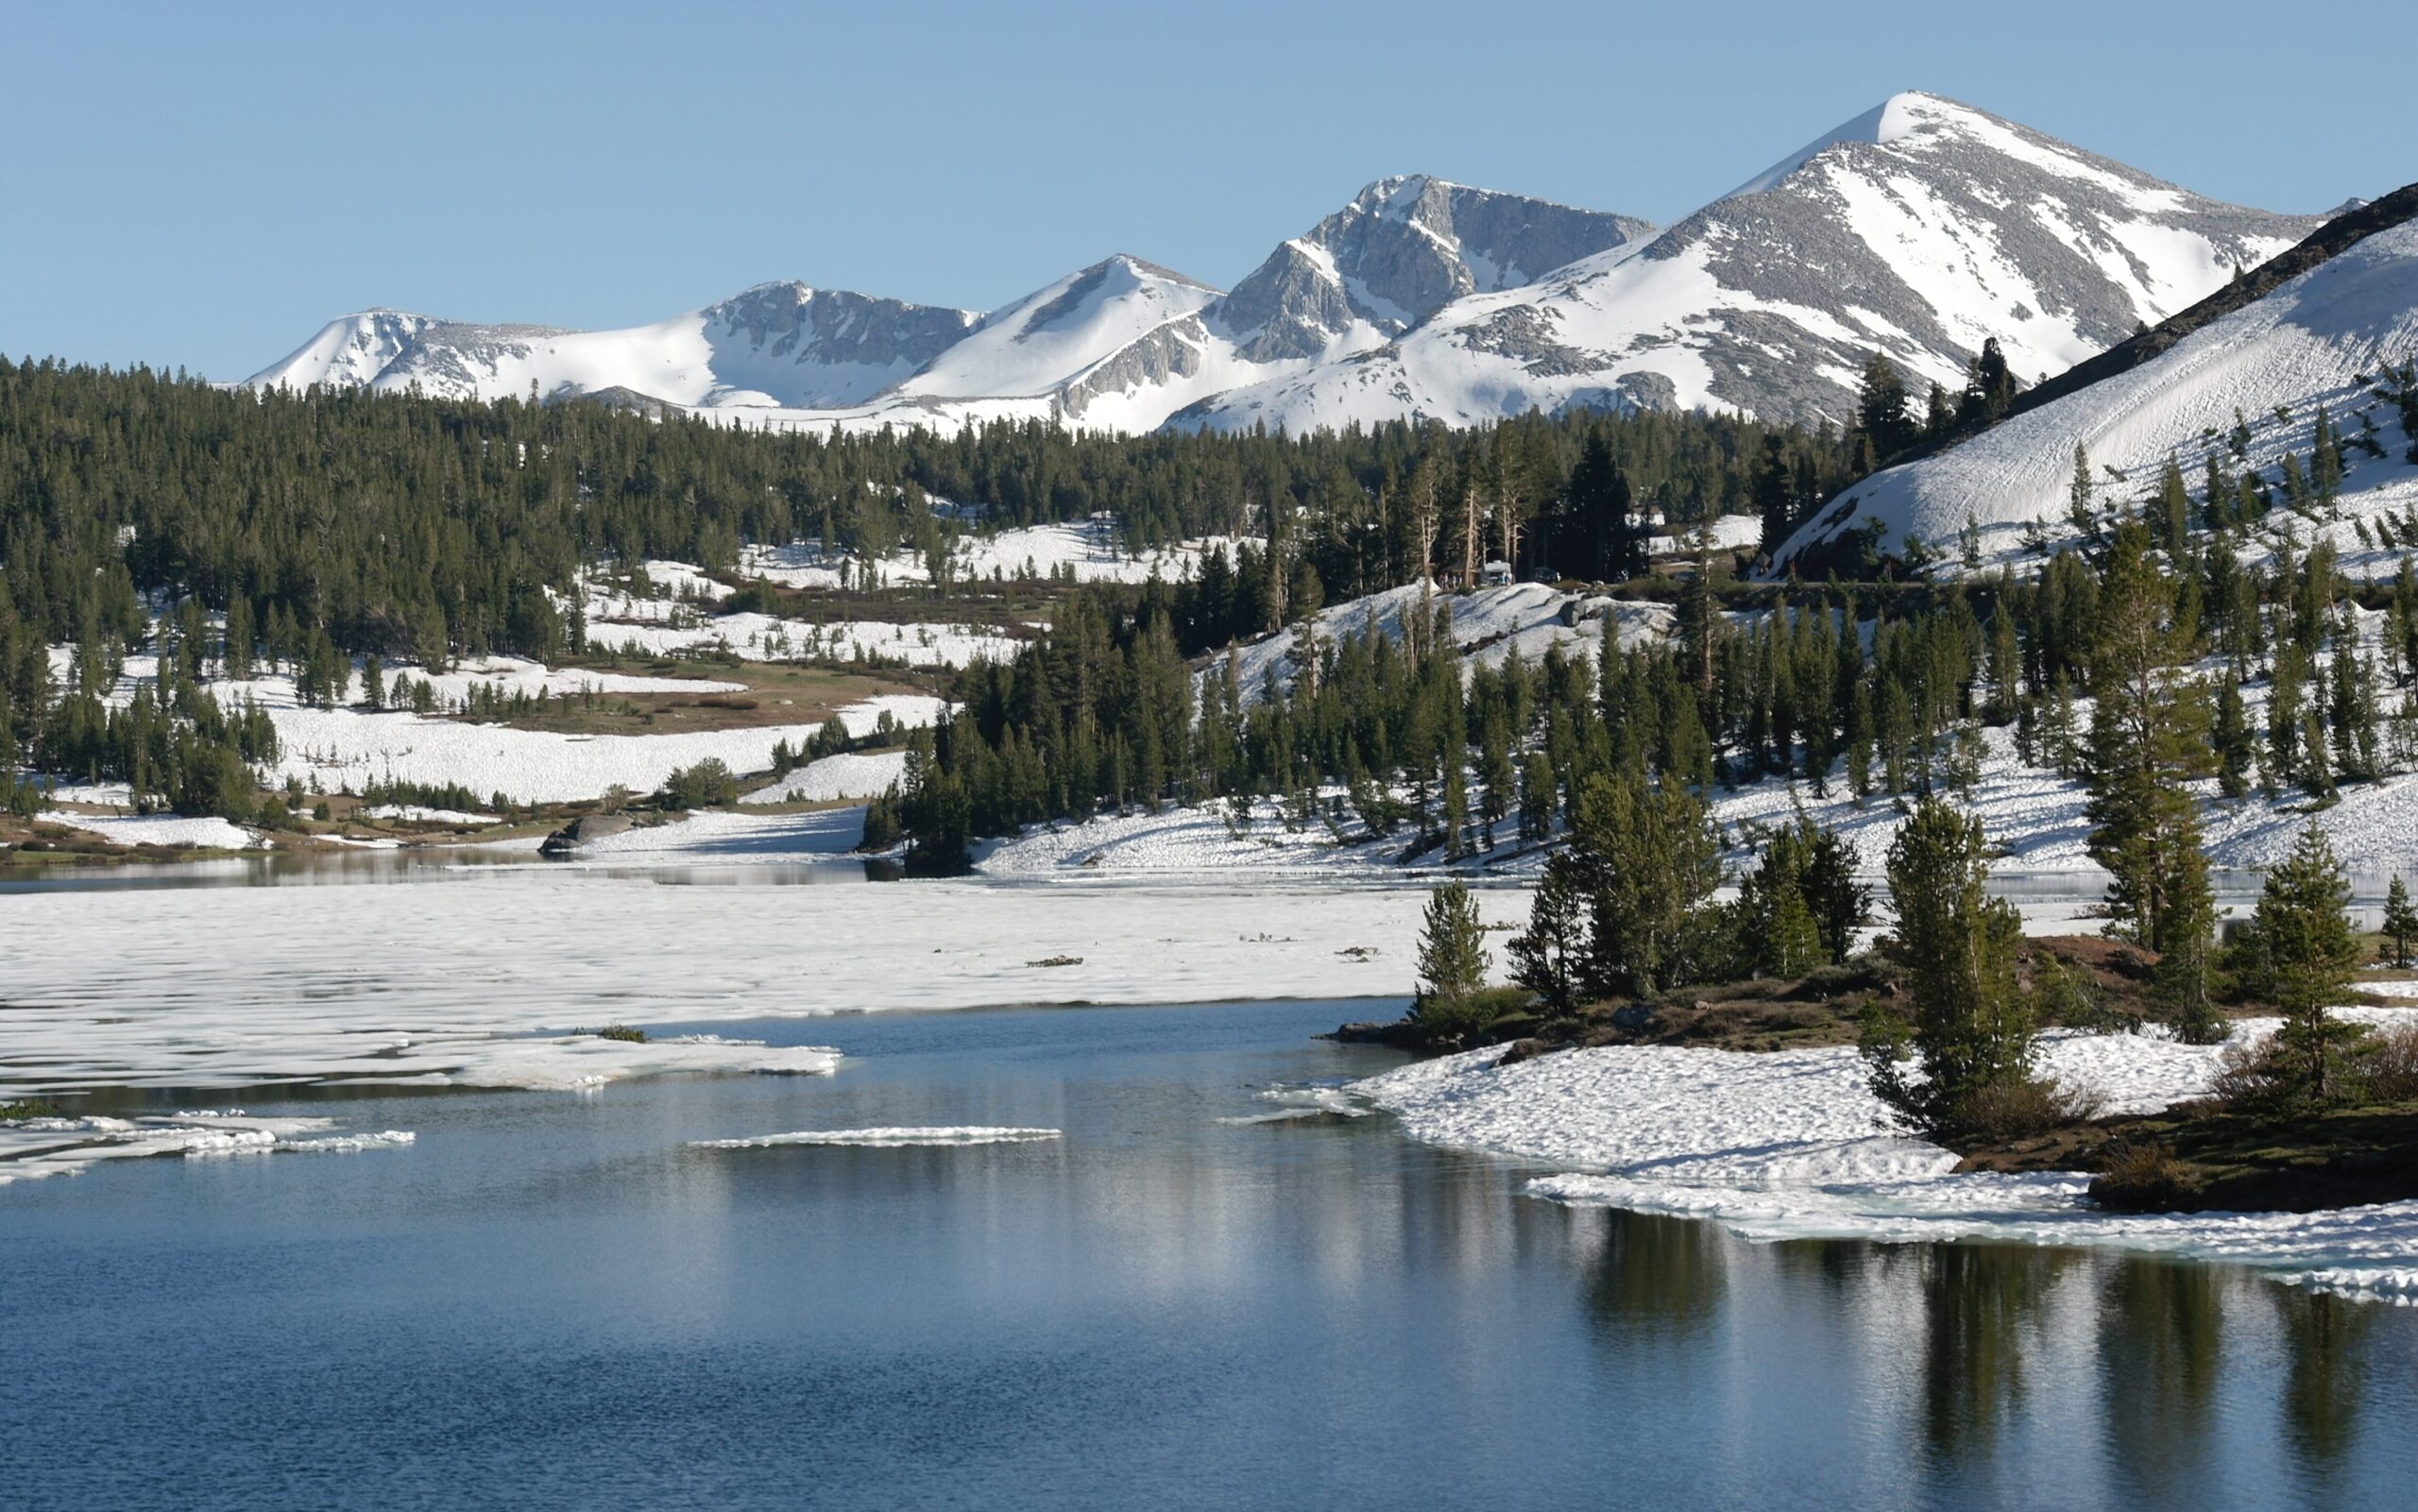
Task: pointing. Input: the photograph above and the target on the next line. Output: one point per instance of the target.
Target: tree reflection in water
(1657, 1276)
(2325, 1377)
(2160, 1348)
(1981, 1308)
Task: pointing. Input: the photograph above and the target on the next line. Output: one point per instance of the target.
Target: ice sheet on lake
(445, 980)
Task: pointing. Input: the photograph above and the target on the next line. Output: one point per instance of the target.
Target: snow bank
(1214, 838)
(1487, 624)
(158, 829)
(1793, 1143)
(1090, 550)
(509, 675)
(422, 814)
(2320, 338)
(764, 638)
(2036, 819)
(849, 774)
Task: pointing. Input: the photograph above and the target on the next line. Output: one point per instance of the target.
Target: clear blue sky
(204, 185)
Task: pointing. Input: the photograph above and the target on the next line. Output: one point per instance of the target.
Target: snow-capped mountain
(1113, 347)
(2245, 387)
(1920, 229)
(1120, 346)
(775, 345)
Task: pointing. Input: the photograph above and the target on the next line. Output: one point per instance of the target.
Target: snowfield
(158, 829)
(849, 774)
(343, 749)
(1793, 1145)
(1087, 549)
(1488, 624)
(763, 638)
(349, 749)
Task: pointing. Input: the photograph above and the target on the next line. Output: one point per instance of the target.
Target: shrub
(2249, 1076)
(707, 785)
(1461, 1017)
(2389, 1065)
(623, 1032)
(2145, 1178)
(25, 1108)
(2020, 1110)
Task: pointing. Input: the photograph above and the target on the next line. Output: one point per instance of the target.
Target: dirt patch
(774, 693)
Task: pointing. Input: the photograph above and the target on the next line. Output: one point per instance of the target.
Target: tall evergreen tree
(1452, 947)
(1972, 1033)
(2147, 737)
(2310, 951)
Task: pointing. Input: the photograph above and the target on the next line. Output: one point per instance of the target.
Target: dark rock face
(845, 348)
(583, 830)
(1290, 307)
(1402, 250)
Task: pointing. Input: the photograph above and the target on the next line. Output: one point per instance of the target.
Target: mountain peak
(1897, 117)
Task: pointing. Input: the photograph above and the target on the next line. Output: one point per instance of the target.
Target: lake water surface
(559, 1301)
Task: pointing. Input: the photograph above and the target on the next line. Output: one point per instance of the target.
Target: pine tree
(1453, 958)
(2079, 506)
(1972, 1030)
(1651, 861)
(2148, 737)
(1883, 408)
(1548, 957)
(2311, 950)
(236, 660)
(1777, 934)
(2400, 920)
(1537, 798)
(2187, 950)
(2231, 742)
(2284, 714)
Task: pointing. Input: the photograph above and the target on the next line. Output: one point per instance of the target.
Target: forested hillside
(423, 528)
(227, 530)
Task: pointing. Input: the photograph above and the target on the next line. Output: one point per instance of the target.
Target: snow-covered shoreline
(1791, 1144)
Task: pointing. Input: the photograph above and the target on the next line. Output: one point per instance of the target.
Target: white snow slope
(2324, 337)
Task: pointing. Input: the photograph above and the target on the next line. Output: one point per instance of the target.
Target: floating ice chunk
(886, 1138)
(1313, 1102)
(348, 1143)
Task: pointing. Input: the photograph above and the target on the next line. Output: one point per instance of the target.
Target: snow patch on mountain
(2325, 338)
